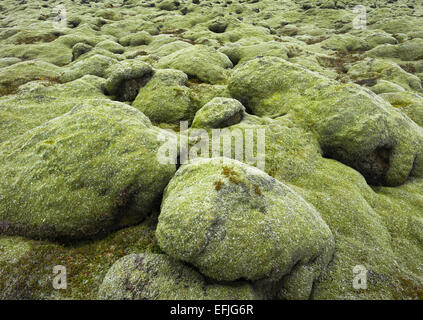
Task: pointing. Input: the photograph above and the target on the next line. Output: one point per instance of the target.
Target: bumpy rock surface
(233, 221)
(333, 108)
(159, 277)
(102, 152)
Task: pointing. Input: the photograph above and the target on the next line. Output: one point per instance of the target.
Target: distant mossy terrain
(89, 91)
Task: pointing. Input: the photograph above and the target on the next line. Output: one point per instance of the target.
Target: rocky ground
(89, 90)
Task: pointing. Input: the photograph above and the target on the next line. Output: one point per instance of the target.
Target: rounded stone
(233, 221)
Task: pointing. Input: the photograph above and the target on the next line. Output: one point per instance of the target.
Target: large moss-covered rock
(200, 62)
(243, 224)
(345, 43)
(159, 277)
(136, 39)
(82, 174)
(111, 46)
(165, 97)
(352, 124)
(218, 113)
(54, 52)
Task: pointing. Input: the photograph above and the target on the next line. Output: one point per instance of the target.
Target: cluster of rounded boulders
(326, 104)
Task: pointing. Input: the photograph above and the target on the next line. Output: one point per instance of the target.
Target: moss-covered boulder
(165, 97)
(369, 70)
(82, 174)
(164, 48)
(136, 39)
(239, 53)
(243, 224)
(6, 62)
(39, 101)
(345, 43)
(200, 62)
(408, 51)
(160, 277)
(26, 266)
(125, 78)
(79, 49)
(111, 46)
(352, 124)
(379, 38)
(383, 86)
(219, 113)
(95, 65)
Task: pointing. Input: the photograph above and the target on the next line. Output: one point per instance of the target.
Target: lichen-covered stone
(243, 224)
(159, 277)
(218, 113)
(81, 174)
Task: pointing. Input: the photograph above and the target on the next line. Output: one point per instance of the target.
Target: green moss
(152, 276)
(100, 173)
(19, 73)
(200, 62)
(237, 232)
